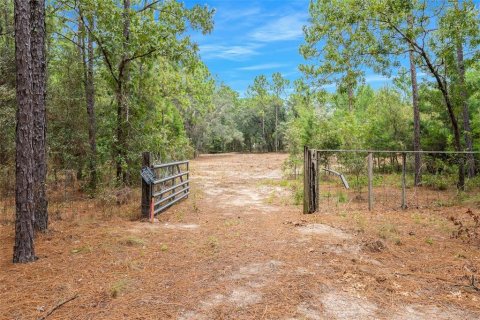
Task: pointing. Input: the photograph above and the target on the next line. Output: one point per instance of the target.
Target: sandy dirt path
(236, 249)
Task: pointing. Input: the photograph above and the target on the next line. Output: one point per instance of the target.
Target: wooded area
(96, 95)
(87, 86)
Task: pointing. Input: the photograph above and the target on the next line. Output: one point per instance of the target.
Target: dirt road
(238, 248)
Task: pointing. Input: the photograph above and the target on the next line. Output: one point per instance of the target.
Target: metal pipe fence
(163, 185)
(388, 180)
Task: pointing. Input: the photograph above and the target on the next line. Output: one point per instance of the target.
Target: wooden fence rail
(163, 185)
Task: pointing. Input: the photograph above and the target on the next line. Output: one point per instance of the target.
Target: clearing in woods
(239, 248)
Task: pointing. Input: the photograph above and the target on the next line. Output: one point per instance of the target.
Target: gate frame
(179, 190)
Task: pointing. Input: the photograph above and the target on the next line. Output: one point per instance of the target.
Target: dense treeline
(121, 81)
(345, 37)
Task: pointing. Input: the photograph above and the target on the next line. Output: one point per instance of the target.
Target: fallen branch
(58, 306)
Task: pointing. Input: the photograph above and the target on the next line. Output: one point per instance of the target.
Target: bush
(436, 182)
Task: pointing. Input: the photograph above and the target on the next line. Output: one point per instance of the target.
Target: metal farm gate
(163, 185)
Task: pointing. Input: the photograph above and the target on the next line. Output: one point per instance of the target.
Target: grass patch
(429, 241)
(118, 287)
(271, 198)
(132, 242)
(82, 249)
(295, 185)
(232, 222)
(342, 197)
(388, 231)
(360, 221)
(213, 244)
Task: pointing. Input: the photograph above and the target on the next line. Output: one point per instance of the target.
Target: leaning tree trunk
(39, 114)
(24, 249)
(416, 113)
(456, 131)
(465, 112)
(442, 86)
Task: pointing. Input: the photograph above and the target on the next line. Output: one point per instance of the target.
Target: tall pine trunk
(38, 60)
(350, 97)
(88, 65)
(416, 113)
(276, 128)
(454, 122)
(122, 99)
(24, 248)
(467, 130)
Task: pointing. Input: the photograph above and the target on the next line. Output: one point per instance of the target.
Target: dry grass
(234, 251)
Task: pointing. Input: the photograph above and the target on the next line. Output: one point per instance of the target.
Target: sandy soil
(239, 249)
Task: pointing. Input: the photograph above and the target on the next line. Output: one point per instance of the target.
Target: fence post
(313, 180)
(146, 192)
(317, 181)
(310, 181)
(370, 181)
(188, 178)
(306, 180)
(404, 182)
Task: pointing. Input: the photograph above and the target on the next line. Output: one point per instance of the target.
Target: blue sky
(256, 37)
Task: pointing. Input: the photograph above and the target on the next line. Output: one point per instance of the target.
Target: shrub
(436, 182)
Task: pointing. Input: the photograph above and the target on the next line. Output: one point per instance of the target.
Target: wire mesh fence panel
(344, 180)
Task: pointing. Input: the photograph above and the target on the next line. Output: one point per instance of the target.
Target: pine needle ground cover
(240, 248)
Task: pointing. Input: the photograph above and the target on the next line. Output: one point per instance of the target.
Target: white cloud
(281, 29)
(376, 78)
(232, 14)
(233, 52)
(265, 66)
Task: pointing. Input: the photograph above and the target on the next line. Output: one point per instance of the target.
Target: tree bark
(453, 120)
(442, 86)
(467, 130)
(37, 27)
(121, 96)
(276, 128)
(350, 97)
(416, 113)
(88, 65)
(24, 248)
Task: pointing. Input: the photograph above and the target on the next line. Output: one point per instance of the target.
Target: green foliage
(7, 85)
(176, 109)
(437, 182)
(342, 197)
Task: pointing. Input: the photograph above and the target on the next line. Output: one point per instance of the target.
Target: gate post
(370, 181)
(146, 192)
(313, 181)
(310, 181)
(306, 180)
(404, 180)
